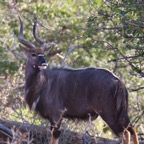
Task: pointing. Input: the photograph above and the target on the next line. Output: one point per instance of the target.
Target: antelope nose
(41, 58)
(42, 61)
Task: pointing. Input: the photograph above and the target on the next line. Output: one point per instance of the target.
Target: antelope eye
(34, 54)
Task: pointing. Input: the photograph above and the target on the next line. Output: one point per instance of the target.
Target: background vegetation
(101, 33)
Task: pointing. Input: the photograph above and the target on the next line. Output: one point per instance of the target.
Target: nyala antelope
(59, 92)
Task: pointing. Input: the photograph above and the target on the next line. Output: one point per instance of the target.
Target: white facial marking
(40, 54)
(43, 66)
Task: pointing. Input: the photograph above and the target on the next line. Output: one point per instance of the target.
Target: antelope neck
(32, 74)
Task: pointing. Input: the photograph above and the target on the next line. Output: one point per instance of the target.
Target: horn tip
(35, 21)
(20, 20)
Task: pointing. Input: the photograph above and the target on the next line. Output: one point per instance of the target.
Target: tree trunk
(24, 133)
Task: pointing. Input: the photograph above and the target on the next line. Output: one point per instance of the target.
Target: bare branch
(69, 50)
(127, 57)
(138, 117)
(140, 88)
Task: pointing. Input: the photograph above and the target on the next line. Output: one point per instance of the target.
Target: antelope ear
(25, 49)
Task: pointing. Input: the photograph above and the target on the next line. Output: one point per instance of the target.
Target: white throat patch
(43, 66)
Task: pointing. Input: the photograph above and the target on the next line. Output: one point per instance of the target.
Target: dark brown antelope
(57, 93)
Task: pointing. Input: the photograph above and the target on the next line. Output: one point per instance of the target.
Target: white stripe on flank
(35, 103)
